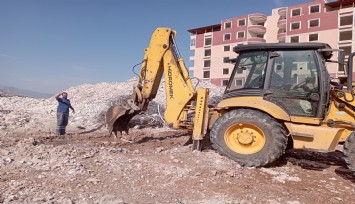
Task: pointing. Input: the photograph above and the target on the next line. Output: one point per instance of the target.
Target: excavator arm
(162, 58)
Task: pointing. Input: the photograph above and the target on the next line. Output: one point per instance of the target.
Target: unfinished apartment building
(331, 22)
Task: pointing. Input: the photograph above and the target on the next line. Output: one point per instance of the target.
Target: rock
(10, 198)
(79, 202)
(231, 173)
(336, 199)
(65, 201)
(159, 149)
(6, 160)
(72, 171)
(109, 199)
(93, 180)
(293, 202)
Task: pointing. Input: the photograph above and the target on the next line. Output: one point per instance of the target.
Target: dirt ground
(158, 166)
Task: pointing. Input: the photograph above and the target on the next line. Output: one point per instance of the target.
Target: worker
(63, 112)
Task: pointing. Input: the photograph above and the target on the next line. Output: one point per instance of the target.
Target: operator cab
(286, 74)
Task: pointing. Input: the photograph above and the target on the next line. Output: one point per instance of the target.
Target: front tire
(349, 152)
(250, 137)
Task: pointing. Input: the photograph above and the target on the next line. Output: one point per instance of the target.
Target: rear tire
(249, 137)
(349, 152)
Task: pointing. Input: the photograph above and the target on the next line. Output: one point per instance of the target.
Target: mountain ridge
(13, 91)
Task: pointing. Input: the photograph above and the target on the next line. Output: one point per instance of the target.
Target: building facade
(329, 21)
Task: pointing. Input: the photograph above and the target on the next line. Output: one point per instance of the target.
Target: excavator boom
(162, 58)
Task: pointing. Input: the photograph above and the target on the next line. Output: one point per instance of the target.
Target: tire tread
(277, 131)
(349, 152)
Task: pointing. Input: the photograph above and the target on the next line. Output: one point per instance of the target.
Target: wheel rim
(245, 138)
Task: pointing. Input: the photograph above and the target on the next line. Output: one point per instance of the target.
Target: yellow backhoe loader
(287, 96)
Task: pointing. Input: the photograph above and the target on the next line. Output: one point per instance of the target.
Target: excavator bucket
(118, 116)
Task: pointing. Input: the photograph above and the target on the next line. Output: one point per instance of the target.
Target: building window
(314, 9)
(345, 35)
(227, 36)
(241, 22)
(207, 63)
(239, 82)
(295, 26)
(224, 82)
(313, 37)
(225, 71)
(225, 59)
(296, 12)
(193, 42)
(347, 50)
(295, 39)
(208, 41)
(207, 52)
(240, 34)
(313, 23)
(240, 71)
(206, 74)
(346, 20)
(227, 25)
(192, 53)
(227, 48)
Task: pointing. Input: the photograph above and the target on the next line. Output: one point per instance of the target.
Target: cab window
(251, 67)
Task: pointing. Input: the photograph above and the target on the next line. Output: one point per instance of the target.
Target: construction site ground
(157, 165)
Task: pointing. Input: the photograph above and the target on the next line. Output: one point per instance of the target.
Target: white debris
(90, 101)
(280, 175)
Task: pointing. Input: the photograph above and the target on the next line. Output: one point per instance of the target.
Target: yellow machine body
(253, 123)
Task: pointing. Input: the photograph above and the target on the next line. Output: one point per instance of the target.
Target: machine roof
(280, 46)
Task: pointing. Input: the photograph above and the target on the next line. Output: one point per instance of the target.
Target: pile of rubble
(91, 101)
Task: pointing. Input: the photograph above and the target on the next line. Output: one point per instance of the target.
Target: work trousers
(62, 122)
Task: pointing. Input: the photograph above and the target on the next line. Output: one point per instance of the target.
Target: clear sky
(51, 45)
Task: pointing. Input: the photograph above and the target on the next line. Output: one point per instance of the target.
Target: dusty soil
(158, 166)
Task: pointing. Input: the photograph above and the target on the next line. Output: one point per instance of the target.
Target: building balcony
(257, 18)
(282, 24)
(345, 42)
(281, 36)
(338, 3)
(345, 27)
(259, 29)
(255, 40)
(192, 68)
(282, 11)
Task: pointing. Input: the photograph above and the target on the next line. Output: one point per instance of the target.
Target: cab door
(293, 82)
